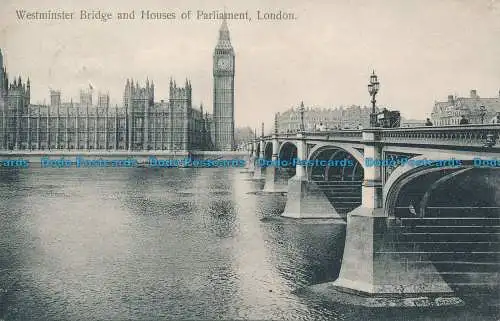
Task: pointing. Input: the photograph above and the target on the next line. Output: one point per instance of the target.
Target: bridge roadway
(408, 233)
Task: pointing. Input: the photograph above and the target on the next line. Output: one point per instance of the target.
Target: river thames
(156, 244)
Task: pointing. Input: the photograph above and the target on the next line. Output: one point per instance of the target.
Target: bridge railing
(347, 134)
(463, 135)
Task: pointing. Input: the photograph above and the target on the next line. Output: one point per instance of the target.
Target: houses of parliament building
(139, 124)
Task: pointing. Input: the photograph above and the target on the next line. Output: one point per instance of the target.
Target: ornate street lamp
(491, 140)
(373, 88)
(276, 123)
(482, 112)
(301, 110)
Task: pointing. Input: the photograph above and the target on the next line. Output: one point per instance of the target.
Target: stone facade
(140, 124)
(450, 112)
(351, 117)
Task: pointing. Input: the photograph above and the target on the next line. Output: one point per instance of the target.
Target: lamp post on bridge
(262, 145)
(373, 88)
(301, 111)
(482, 112)
(276, 123)
(274, 156)
(255, 142)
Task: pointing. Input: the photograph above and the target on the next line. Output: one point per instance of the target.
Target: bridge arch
(268, 150)
(415, 184)
(454, 222)
(331, 152)
(287, 151)
(342, 182)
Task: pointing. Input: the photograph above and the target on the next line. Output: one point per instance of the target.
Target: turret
(224, 41)
(181, 92)
(126, 94)
(3, 85)
(150, 91)
(5, 81)
(127, 85)
(107, 103)
(28, 91)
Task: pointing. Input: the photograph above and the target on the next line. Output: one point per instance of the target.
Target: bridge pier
(257, 174)
(272, 184)
(371, 265)
(250, 166)
(250, 163)
(254, 156)
(304, 198)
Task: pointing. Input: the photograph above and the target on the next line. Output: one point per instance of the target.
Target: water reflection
(162, 244)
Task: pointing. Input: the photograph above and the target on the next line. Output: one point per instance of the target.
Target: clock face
(223, 63)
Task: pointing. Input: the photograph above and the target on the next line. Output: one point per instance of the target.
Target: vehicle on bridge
(389, 119)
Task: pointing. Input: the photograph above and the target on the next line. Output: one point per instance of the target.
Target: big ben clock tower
(223, 68)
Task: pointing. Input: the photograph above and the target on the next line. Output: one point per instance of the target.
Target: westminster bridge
(412, 227)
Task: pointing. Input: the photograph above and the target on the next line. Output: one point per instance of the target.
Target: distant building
(140, 124)
(450, 112)
(352, 117)
(412, 122)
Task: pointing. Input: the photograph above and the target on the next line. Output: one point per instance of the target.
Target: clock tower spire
(223, 73)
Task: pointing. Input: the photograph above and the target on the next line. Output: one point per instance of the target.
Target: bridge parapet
(345, 135)
(470, 135)
(349, 135)
(475, 136)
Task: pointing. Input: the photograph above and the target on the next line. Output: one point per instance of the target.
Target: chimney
(473, 93)
(450, 99)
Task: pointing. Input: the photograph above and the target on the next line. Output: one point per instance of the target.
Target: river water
(156, 244)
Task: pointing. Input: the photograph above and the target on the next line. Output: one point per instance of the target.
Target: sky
(422, 51)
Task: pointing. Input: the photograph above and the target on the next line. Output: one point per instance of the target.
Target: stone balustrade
(461, 135)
